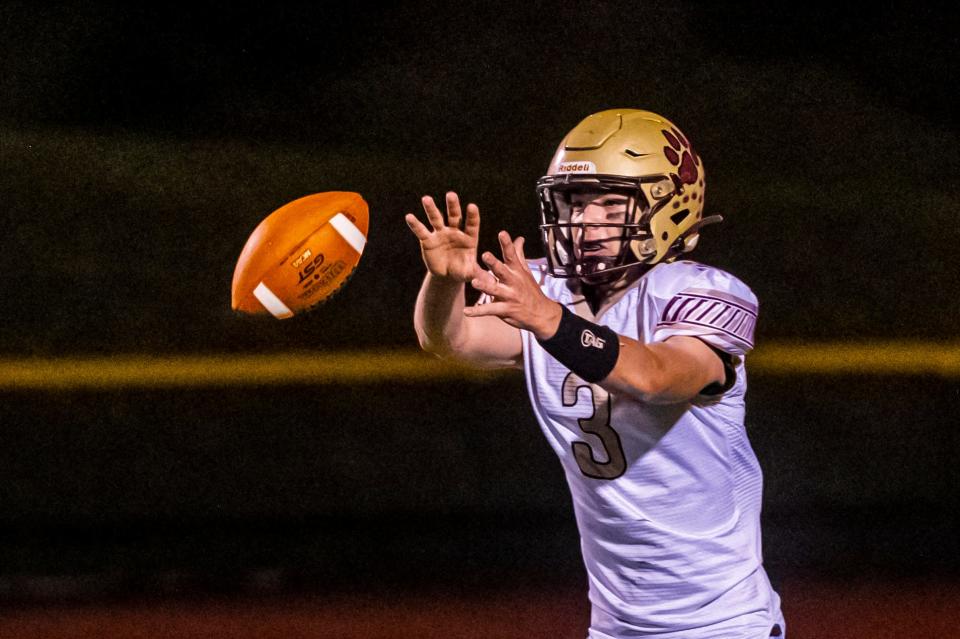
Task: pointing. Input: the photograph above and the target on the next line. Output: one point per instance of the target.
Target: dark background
(141, 145)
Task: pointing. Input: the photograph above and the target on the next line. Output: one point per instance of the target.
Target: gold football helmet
(631, 153)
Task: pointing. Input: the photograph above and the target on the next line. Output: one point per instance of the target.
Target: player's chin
(599, 279)
(600, 269)
(597, 276)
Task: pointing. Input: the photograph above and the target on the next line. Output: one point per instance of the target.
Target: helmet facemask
(599, 247)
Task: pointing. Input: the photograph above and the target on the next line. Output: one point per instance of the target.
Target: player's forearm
(660, 373)
(438, 315)
(641, 373)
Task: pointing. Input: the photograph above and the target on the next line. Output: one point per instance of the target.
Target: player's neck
(594, 296)
(599, 297)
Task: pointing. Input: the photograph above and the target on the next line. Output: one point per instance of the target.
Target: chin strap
(595, 265)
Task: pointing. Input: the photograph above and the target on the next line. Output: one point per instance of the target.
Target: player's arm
(450, 255)
(675, 370)
(442, 329)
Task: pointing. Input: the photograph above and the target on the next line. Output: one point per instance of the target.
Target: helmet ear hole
(680, 216)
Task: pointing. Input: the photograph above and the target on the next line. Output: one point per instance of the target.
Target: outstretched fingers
(472, 226)
(418, 228)
(485, 282)
(501, 270)
(433, 213)
(519, 243)
(507, 249)
(498, 309)
(453, 210)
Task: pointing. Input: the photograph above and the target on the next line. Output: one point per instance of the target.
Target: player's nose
(592, 232)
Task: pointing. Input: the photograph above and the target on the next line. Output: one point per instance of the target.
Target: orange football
(301, 254)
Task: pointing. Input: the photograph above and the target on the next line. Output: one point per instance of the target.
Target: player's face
(597, 208)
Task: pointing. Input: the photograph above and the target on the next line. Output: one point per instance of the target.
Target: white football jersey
(667, 498)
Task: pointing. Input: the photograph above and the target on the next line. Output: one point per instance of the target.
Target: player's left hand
(517, 298)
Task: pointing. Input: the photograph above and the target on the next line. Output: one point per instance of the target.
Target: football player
(634, 359)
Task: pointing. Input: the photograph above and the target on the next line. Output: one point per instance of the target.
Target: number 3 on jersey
(597, 424)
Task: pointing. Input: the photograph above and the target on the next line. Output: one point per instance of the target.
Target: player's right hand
(448, 251)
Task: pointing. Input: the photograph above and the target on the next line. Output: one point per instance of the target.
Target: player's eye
(614, 203)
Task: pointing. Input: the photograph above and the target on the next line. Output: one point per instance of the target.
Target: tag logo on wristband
(587, 338)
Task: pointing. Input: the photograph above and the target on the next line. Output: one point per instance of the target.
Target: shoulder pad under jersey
(705, 302)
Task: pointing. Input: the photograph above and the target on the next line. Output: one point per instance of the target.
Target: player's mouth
(593, 247)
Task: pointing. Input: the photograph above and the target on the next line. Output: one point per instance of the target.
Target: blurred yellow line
(125, 371)
(228, 370)
(941, 359)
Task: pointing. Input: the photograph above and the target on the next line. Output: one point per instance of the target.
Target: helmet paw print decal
(681, 154)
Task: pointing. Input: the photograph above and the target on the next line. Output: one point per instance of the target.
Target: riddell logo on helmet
(577, 167)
